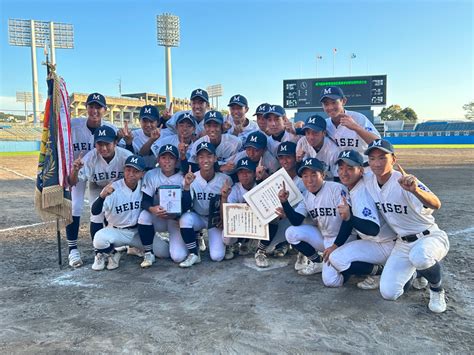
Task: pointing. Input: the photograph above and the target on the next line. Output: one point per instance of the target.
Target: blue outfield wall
(19, 146)
(432, 140)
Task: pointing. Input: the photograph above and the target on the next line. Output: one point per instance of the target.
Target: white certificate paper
(239, 221)
(170, 198)
(263, 198)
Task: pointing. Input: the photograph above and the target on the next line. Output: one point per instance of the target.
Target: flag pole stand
(58, 237)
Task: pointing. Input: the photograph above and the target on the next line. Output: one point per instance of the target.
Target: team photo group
(360, 213)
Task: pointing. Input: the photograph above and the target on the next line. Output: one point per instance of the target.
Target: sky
(250, 46)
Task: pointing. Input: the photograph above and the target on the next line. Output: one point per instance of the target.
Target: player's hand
(182, 148)
(261, 171)
(348, 121)
(107, 191)
(126, 134)
(226, 126)
(407, 181)
(327, 252)
(299, 124)
(280, 212)
(168, 112)
(344, 209)
(227, 167)
(283, 194)
(188, 178)
(300, 155)
(155, 134)
(225, 191)
(288, 125)
(78, 163)
(159, 212)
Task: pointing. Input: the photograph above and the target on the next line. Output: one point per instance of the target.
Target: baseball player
(261, 120)
(407, 205)
(315, 144)
(102, 165)
(198, 189)
(144, 138)
(82, 136)
(350, 129)
(226, 145)
(120, 201)
(154, 217)
(236, 123)
(321, 201)
(366, 255)
(277, 125)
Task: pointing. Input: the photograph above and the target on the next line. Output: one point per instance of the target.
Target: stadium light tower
(215, 91)
(31, 33)
(168, 36)
(26, 98)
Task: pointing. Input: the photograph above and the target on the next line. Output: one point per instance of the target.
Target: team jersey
(122, 208)
(171, 124)
(139, 139)
(202, 191)
(363, 206)
(81, 136)
(268, 160)
(98, 171)
(401, 209)
(251, 127)
(228, 147)
(173, 140)
(349, 139)
(322, 208)
(155, 178)
(328, 154)
(272, 143)
(299, 183)
(237, 194)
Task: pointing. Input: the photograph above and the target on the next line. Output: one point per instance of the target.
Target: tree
(469, 108)
(410, 114)
(396, 113)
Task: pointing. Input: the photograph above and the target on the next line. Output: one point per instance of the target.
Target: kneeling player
(120, 202)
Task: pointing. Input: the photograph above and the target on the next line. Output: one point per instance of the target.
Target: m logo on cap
(271, 108)
(213, 114)
(198, 92)
(262, 108)
(101, 133)
(308, 162)
(377, 143)
(187, 115)
(327, 91)
(134, 160)
(244, 162)
(312, 120)
(236, 98)
(147, 110)
(169, 147)
(254, 139)
(345, 154)
(283, 148)
(96, 97)
(204, 145)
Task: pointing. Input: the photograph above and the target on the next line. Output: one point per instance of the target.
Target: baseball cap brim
(173, 153)
(279, 114)
(380, 148)
(186, 119)
(348, 162)
(212, 119)
(202, 97)
(206, 149)
(313, 128)
(253, 144)
(301, 169)
(330, 96)
(104, 139)
(136, 166)
(241, 104)
(97, 102)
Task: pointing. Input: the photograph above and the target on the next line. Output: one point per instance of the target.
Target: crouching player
(120, 202)
(155, 218)
(198, 189)
(358, 211)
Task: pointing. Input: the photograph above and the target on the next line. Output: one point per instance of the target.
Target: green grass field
(13, 154)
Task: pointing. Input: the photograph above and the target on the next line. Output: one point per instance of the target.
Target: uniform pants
(118, 237)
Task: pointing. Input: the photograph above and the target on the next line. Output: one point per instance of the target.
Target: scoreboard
(359, 90)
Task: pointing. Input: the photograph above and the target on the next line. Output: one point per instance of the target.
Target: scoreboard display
(359, 90)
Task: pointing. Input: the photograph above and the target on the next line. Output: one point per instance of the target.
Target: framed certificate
(170, 198)
(263, 198)
(239, 221)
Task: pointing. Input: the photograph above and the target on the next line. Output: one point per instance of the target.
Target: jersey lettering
(82, 146)
(204, 195)
(134, 205)
(347, 142)
(105, 175)
(391, 208)
(322, 211)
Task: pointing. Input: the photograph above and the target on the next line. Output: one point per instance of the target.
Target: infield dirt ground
(227, 307)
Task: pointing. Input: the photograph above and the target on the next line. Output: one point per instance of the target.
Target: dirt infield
(228, 306)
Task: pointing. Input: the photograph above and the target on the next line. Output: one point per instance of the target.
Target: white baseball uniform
(228, 147)
(328, 154)
(406, 215)
(171, 124)
(139, 139)
(268, 160)
(272, 143)
(252, 126)
(173, 140)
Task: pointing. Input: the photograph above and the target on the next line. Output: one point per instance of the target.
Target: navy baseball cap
(200, 94)
(96, 98)
(350, 157)
(238, 100)
(206, 146)
(276, 110)
(104, 134)
(261, 109)
(168, 148)
(186, 116)
(315, 123)
(381, 144)
(286, 148)
(215, 116)
(313, 164)
(246, 163)
(150, 112)
(332, 92)
(257, 140)
(136, 161)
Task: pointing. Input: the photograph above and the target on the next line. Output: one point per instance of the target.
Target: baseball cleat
(229, 252)
(201, 243)
(99, 262)
(280, 252)
(437, 301)
(420, 283)
(113, 260)
(301, 262)
(148, 260)
(312, 268)
(135, 251)
(190, 260)
(370, 283)
(75, 260)
(261, 259)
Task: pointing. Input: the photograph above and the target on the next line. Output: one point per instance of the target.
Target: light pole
(318, 57)
(31, 33)
(26, 98)
(353, 56)
(168, 36)
(334, 51)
